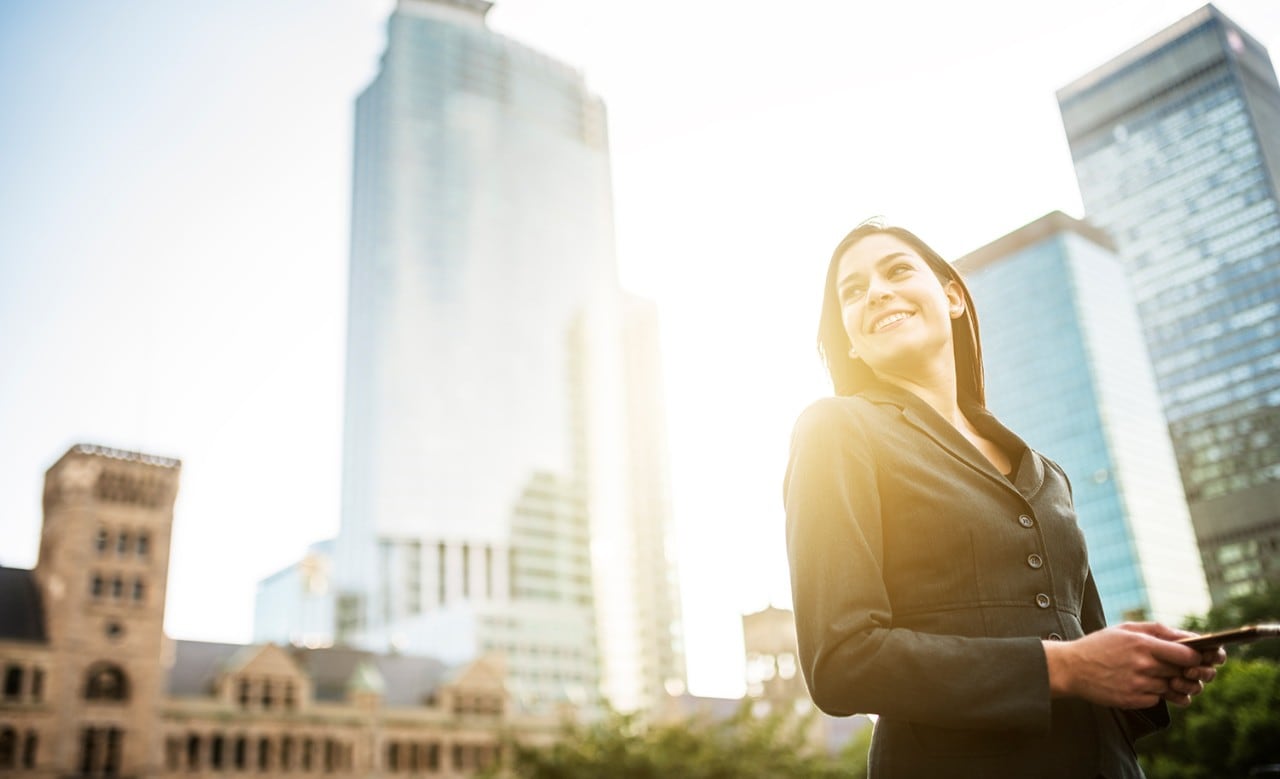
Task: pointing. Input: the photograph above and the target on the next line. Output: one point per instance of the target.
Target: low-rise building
(91, 687)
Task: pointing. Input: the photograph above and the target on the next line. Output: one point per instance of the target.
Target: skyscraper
(1176, 146)
(1067, 369)
(490, 458)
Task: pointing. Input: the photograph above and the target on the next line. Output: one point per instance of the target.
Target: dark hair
(849, 375)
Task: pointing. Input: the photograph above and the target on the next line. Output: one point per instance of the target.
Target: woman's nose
(877, 292)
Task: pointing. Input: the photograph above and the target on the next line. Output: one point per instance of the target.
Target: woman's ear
(955, 300)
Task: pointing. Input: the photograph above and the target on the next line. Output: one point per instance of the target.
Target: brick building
(91, 687)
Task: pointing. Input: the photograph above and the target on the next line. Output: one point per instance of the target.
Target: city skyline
(165, 138)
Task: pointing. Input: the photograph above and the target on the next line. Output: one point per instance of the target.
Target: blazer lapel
(921, 416)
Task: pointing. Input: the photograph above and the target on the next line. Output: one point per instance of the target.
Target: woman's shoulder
(834, 415)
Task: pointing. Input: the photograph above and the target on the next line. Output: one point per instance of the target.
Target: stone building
(91, 687)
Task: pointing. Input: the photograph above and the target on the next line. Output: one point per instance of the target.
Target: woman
(939, 577)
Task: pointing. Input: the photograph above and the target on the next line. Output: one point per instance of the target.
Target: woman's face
(896, 312)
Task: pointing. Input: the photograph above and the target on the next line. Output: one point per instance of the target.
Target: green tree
(1233, 726)
(1262, 606)
(742, 746)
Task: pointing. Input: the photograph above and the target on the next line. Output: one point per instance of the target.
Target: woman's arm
(854, 659)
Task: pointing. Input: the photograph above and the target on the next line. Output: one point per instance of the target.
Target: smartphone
(1240, 635)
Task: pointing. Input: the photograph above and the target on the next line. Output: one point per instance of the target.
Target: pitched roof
(21, 609)
(409, 681)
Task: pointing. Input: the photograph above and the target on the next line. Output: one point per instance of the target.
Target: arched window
(106, 682)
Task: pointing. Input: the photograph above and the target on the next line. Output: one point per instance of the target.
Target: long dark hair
(848, 374)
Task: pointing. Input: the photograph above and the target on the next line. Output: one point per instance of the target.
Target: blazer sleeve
(1137, 722)
(853, 658)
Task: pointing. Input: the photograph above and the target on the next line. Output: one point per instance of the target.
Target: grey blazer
(923, 581)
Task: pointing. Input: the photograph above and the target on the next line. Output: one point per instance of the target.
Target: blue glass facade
(1067, 370)
(1176, 146)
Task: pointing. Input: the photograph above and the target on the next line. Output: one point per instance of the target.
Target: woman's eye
(900, 269)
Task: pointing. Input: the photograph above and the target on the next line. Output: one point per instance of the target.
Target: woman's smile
(890, 320)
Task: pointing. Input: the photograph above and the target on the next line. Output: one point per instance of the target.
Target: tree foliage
(742, 746)
(1263, 606)
(1233, 727)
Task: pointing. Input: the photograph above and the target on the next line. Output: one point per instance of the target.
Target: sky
(174, 216)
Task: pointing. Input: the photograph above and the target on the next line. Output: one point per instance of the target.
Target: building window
(106, 682)
(193, 751)
(12, 682)
(139, 590)
(117, 587)
(8, 747)
(286, 752)
(267, 699)
(244, 693)
(29, 749)
(241, 752)
(37, 684)
(97, 586)
(264, 753)
(217, 751)
(100, 540)
(122, 542)
(100, 751)
(289, 700)
(143, 544)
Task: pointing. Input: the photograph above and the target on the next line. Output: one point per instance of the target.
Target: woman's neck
(936, 388)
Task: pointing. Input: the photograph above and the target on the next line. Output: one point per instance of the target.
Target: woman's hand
(1130, 666)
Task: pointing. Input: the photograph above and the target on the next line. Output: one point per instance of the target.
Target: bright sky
(174, 195)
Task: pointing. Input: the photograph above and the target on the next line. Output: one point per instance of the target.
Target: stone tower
(103, 565)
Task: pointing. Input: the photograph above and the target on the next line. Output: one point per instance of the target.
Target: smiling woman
(939, 576)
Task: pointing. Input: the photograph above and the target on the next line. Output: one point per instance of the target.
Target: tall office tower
(481, 232)
(1176, 145)
(1068, 371)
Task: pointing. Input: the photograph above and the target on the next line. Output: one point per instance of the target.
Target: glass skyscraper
(492, 465)
(1068, 371)
(1176, 146)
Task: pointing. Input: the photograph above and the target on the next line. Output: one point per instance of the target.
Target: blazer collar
(1028, 470)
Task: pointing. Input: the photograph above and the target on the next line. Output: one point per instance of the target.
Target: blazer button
(1054, 637)
(1026, 521)
(1042, 600)
(1035, 560)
